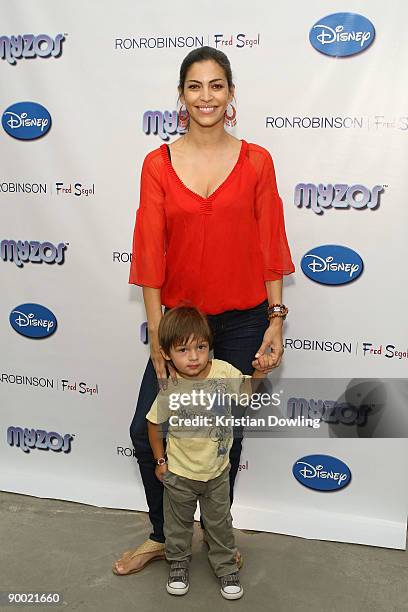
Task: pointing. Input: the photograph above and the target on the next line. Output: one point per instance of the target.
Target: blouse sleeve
(269, 215)
(149, 238)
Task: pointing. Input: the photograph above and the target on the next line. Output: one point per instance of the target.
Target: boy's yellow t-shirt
(199, 434)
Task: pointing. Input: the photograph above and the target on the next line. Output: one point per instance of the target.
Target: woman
(209, 231)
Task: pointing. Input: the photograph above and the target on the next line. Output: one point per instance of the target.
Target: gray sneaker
(231, 587)
(178, 583)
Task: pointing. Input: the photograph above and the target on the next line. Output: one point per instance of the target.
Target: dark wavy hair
(203, 54)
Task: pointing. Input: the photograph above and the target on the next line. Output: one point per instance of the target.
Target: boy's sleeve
(159, 411)
(240, 383)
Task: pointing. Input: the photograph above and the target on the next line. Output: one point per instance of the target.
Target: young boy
(198, 442)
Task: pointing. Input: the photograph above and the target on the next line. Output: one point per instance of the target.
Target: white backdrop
(97, 92)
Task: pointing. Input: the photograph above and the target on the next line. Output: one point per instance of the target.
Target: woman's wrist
(276, 323)
(153, 328)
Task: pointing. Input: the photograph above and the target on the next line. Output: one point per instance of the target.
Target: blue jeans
(237, 336)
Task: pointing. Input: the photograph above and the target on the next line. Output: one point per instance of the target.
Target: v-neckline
(194, 194)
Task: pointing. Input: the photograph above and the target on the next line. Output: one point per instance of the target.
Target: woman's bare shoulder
(176, 145)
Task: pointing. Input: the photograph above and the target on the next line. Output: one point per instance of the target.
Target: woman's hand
(159, 363)
(273, 340)
(160, 470)
(263, 364)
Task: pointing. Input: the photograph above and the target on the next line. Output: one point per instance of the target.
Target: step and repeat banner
(86, 92)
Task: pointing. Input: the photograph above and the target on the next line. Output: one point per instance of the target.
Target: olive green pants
(179, 504)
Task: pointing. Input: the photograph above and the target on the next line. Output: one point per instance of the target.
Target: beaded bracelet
(277, 310)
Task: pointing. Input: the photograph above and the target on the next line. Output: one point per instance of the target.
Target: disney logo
(318, 264)
(33, 321)
(317, 471)
(329, 35)
(28, 320)
(17, 121)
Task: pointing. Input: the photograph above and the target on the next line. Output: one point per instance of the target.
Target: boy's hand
(265, 363)
(160, 470)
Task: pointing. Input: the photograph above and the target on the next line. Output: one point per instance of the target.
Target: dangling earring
(183, 119)
(230, 120)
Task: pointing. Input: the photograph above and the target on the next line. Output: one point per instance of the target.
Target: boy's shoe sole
(174, 591)
(232, 595)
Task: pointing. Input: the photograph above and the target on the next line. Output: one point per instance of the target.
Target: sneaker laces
(231, 580)
(178, 569)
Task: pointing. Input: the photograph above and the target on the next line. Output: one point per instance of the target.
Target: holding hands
(265, 362)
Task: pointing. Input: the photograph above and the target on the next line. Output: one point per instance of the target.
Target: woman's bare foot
(133, 561)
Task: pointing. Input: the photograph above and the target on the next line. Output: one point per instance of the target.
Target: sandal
(150, 546)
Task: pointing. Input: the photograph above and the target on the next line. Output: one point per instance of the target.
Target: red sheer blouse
(214, 252)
